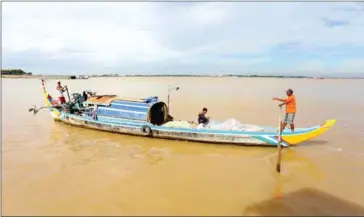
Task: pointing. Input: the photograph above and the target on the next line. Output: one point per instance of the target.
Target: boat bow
(305, 135)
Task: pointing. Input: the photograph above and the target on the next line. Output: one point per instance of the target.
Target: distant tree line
(14, 72)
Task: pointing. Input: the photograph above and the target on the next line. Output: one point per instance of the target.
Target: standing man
(60, 90)
(290, 103)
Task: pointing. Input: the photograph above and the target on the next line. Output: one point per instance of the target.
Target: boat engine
(78, 100)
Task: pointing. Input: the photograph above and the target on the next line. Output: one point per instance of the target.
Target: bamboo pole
(279, 156)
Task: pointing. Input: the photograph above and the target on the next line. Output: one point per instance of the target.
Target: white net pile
(234, 125)
(178, 124)
(230, 124)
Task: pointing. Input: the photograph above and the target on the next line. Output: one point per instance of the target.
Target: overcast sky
(151, 37)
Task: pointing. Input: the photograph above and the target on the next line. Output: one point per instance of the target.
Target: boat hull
(160, 132)
(195, 135)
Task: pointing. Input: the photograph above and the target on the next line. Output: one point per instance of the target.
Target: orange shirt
(291, 104)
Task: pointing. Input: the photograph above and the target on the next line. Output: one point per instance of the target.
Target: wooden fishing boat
(149, 118)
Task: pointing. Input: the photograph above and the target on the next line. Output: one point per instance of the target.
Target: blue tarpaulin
(127, 109)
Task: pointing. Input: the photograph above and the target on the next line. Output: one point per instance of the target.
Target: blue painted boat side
(132, 127)
(126, 110)
(109, 119)
(130, 103)
(143, 109)
(228, 132)
(121, 113)
(193, 130)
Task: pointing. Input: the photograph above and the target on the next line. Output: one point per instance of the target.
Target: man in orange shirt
(290, 103)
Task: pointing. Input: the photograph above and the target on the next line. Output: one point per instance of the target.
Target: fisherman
(60, 90)
(202, 119)
(290, 103)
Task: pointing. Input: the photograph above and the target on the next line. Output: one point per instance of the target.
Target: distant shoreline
(180, 75)
(34, 76)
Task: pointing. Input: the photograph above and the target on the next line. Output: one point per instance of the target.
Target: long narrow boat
(150, 118)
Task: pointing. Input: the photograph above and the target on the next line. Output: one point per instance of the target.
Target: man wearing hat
(290, 103)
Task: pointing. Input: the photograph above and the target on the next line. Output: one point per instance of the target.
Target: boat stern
(49, 101)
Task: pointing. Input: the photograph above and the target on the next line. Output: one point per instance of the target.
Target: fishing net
(234, 125)
(230, 124)
(178, 124)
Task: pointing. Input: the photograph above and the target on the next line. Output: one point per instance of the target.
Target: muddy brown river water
(49, 168)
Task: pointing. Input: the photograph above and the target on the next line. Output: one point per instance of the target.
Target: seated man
(202, 119)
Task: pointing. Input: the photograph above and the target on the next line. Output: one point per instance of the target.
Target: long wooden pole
(279, 143)
(68, 94)
(169, 89)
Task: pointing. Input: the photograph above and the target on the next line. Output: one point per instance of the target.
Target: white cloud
(116, 34)
(312, 66)
(208, 14)
(62, 27)
(355, 65)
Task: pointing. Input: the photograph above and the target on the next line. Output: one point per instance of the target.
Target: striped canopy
(140, 111)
